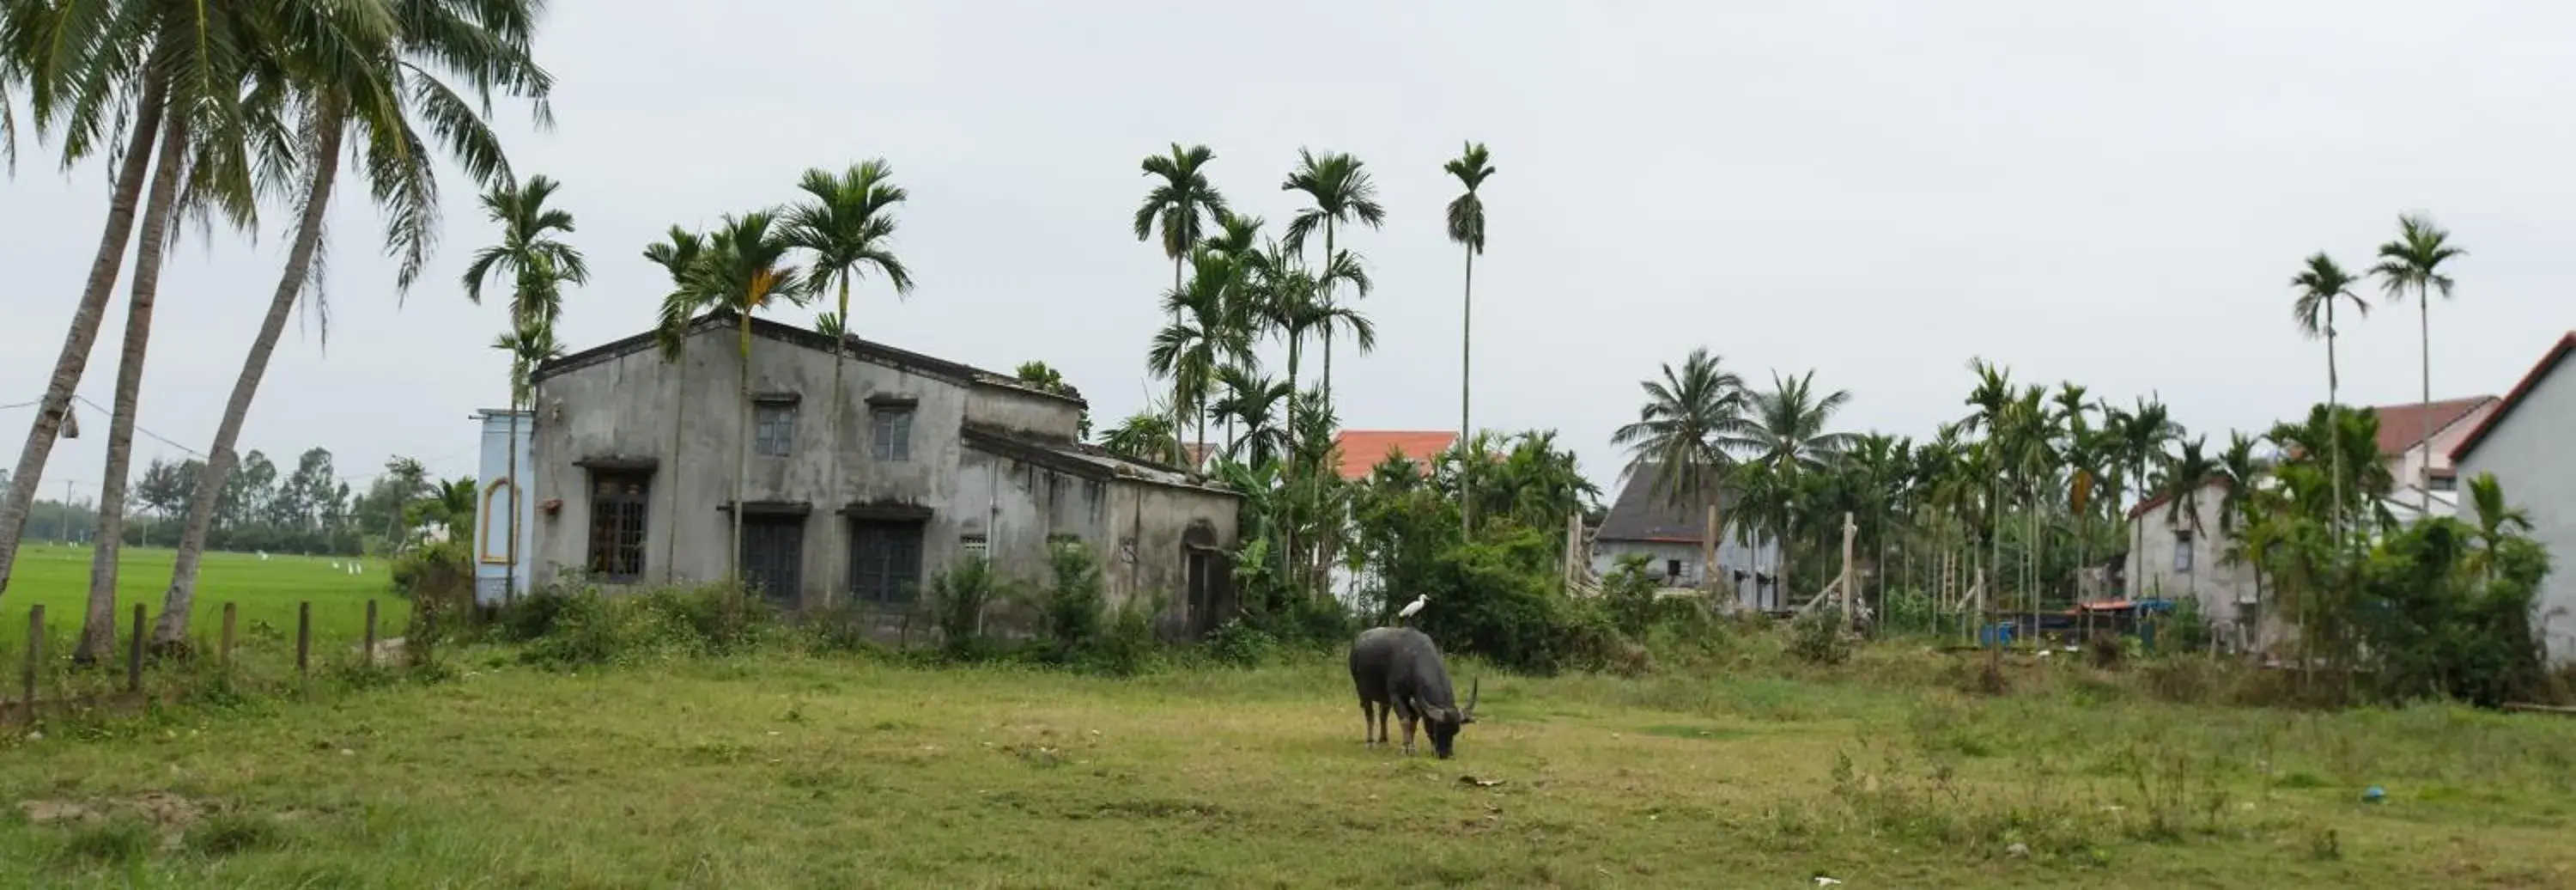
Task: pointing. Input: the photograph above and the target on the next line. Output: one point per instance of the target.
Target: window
(1673, 569)
(2445, 483)
(617, 503)
(885, 561)
(2182, 551)
(976, 547)
(773, 553)
(773, 428)
(891, 428)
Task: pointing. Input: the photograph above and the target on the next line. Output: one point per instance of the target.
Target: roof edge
(2539, 370)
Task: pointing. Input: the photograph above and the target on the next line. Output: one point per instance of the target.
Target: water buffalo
(1398, 669)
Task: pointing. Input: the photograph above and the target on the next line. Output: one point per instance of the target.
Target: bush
(1239, 644)
(1628, 592)
(1499, 598)
(1070, 609)
(1128, 646)
(957, 600)
(574, 626)
(1817, 637)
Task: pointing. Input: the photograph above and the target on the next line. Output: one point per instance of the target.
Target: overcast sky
(2113, 193)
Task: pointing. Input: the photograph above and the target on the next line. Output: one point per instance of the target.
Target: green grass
(788, 771)
(265, 591)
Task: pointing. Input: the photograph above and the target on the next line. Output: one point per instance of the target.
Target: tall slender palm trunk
(1466, 370)
(1329, 287)
(2424, 469)
(116, 233)
(510, 470)
(679, 421)
(834, 410)
(2334, 433)
(98, 624)
(742, 453)
(1179, 425)
(220, 460)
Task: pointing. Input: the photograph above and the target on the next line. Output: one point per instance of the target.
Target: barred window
(773, 428)
(885, 561)
(617, 507)
(891, 428)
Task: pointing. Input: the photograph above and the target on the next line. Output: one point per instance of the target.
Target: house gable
(2548, 365)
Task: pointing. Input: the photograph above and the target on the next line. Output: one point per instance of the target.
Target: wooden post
(225, 659)
(369, 654)
(303, 638)
(1849, 529)
(1708, 551)
(134, 654)
(35, 655)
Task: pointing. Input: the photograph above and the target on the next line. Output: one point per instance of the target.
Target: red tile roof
(1362, 450)
(2540, 371)
(2402, 426)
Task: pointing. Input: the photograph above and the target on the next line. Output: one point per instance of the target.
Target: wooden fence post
(134, 654)
(303, 638)
(35, 655)
(227, 651)
(369, 653)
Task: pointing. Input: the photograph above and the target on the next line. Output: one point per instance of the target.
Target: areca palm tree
(2415, 261)
(2320, 286)
(2495, 520)
(1680, 431)
(846, 226)
(1342, 192)
(1255, 402)
(1192, 350)
(538, 264)
(386, 96)
(679, 256)
(743, 270)
(1467, 229)
(2186, 476)
(1180, 204)
(2138, 439)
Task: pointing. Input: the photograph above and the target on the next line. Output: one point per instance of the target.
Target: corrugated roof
(2404, 426)
(1362, 450)
(1642, 513)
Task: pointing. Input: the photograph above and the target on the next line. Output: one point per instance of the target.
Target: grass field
(265, 590)
(788, 771)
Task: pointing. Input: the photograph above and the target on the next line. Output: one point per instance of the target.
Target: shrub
(1070, 609)
(573, 626)
(1817, 637)
(1128, 646)
(1628, 592)
(1239, 644)
(957, 600)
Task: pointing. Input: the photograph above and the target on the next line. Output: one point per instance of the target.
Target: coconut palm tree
(1342, 192)
(1180, 204)
(846, 226)
(1785, 432)
(83, 65)
(1467, 228)
(743, 271)
(385, 94)
(1681, 429)
(2186, 476)
(2320, 286)
(2415, 261)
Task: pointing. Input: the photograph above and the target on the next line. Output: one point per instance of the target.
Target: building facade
(2524, 442)
(1672, 538)
(497, 561)
(2415, 443)
(2183, 554)
(933, 462)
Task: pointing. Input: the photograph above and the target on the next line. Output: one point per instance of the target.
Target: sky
(2111, 193)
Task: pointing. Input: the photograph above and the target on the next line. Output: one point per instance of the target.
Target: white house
(2415, 443)
(2524, 441)
(2180, 554)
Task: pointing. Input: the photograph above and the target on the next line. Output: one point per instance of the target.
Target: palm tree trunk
(86, 317)
(741, 452)
(1466, 370)
(2424, 470)
(510, 549)
(220, 459)
(98, 625)
(679, 421)
(2334, 431)
(1329, 287)
(833, 409)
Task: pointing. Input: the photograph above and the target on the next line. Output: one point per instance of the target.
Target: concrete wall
(1027, 412)
(2529, 454)
(687, 416)
(2226, 593)
(493, 521)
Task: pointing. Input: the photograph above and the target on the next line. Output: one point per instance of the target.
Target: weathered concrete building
(1673, 538)
(635, 455)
